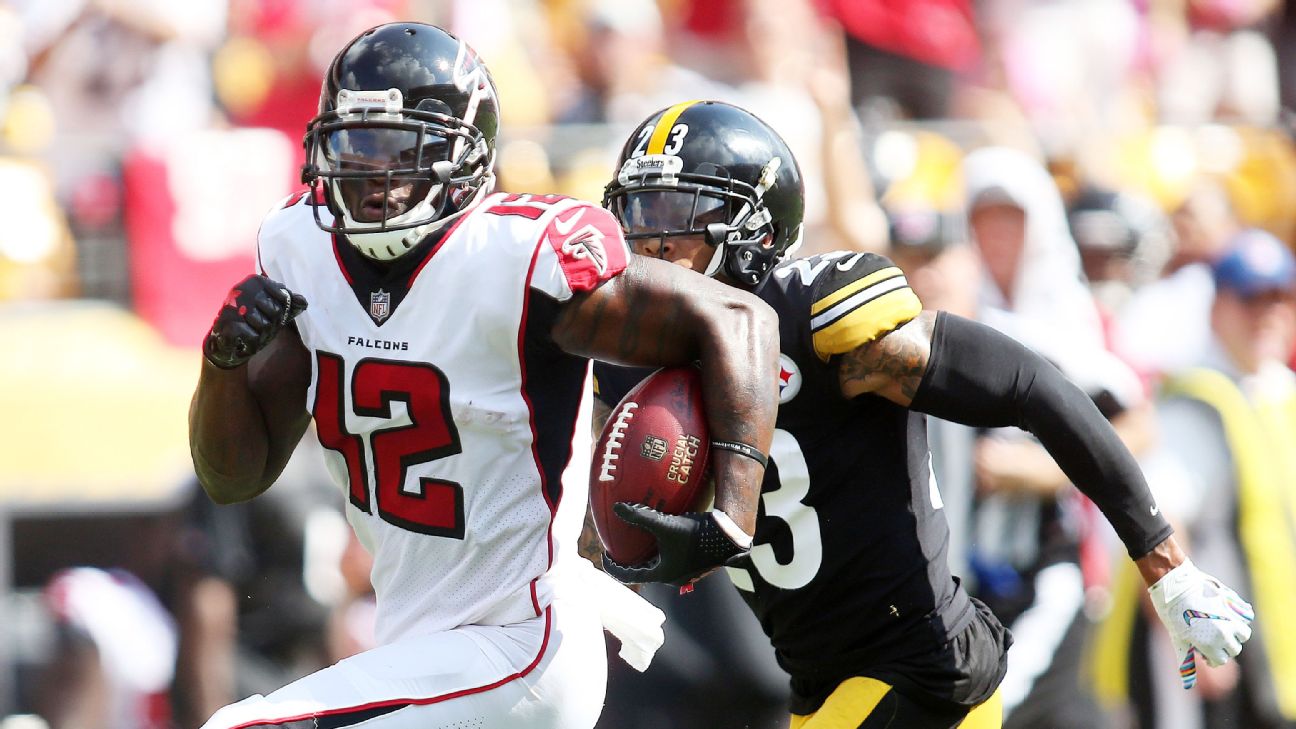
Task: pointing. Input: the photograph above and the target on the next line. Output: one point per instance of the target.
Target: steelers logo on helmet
(404, 141)
(710, 169)
(664, 167)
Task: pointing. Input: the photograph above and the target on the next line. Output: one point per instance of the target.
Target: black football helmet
(405, 137)
(712, 169)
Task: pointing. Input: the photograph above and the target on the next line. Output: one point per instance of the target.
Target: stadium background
(142, 140)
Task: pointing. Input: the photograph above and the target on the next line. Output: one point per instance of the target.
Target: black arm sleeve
(980, 377)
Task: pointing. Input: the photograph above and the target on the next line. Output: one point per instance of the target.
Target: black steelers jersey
(848, 568)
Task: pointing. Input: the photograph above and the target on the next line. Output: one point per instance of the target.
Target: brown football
(653, 450)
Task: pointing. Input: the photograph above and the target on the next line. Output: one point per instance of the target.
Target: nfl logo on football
(379, 305)
(653, 447)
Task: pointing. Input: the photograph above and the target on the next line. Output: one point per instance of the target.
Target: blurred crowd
(1112, 182)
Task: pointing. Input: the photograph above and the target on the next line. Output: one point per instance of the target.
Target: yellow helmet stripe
(664, 125)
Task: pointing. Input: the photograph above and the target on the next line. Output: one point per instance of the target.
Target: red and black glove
(254, 312)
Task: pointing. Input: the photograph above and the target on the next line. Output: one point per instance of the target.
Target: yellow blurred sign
(93, 407)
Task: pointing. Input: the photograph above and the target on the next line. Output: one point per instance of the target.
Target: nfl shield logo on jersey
(379, 305)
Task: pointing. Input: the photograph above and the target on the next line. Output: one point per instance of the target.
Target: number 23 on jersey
(787, 504)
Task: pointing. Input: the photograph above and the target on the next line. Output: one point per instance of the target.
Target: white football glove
(1203, 616)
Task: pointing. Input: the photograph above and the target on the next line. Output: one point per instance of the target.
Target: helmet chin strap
(379, 245)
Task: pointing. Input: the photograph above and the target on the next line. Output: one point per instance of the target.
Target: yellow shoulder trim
(866, 322)
(853, 287)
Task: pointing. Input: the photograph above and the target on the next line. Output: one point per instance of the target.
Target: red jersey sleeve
(580, 248)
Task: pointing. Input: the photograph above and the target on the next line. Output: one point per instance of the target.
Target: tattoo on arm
(668, 312)
(656, 313)
(636, 318)
(590, 546)
(891, 365)
(602, 411)
(578, 325)
(636, 303)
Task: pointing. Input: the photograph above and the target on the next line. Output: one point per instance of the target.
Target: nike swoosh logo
(1188, 616)
(849, 263)
(565, 226)
(1155, 510)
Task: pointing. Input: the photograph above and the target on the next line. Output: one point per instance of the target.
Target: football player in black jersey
(847, 573)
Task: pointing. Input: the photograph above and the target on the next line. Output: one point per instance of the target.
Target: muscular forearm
(247, 416)
(657, 314)
(980, 377)
(740, 387)
(227, 435)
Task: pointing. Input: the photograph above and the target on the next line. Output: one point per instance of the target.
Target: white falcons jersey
(456, 428)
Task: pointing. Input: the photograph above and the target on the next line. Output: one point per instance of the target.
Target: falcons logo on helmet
(587, 243)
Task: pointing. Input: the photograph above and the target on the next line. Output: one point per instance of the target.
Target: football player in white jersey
(444, 358)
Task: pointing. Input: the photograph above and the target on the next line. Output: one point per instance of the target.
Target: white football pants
(549, 672)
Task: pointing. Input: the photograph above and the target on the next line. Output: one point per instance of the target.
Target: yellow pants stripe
(851, 703)
(987, 715)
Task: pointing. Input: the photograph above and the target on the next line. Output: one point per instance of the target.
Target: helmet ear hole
(435, 106)
(712, 170)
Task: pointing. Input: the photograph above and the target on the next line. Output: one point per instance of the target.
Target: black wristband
(742, 449)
